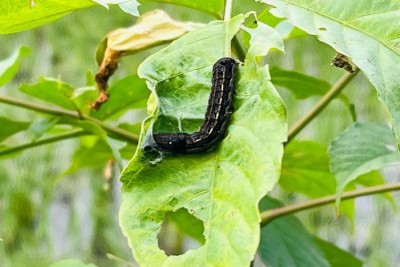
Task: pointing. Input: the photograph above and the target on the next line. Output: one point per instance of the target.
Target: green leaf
(89, 126)
(175, 59)
(71, 263)
(82, 97)
(301, 85)
(128, 151)
(9, 127)
(288, 31)
(373, 178)
(360, 149)
(214, 7)
(285, 29)
(39, 127)
(52, 91)
(366, 31)
(285, 242)
(260, 42)
(116, 146)
(9, 66)
(336, 256)
(305, 169)
(20, 15)
(92, 127)
(129, 92)
(91, 153)
(221, 188)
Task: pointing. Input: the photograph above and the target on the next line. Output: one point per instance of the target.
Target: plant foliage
(219, 197)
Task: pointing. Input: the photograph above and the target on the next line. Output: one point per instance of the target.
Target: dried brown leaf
(151, 29)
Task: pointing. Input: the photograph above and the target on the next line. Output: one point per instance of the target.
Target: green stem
(227, 18)
(125, 135)
(228, 10)
(321, 104)
(268, 216)
(235, 42)
(43, 142)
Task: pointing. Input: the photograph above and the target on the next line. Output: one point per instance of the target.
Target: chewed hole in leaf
(181, 231)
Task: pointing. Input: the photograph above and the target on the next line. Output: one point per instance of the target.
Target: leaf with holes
(221, 188)
(366, 31)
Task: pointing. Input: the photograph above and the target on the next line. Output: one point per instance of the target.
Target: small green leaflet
(9, 66)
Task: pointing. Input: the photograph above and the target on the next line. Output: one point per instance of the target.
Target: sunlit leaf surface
(366, 31)
(20, 15)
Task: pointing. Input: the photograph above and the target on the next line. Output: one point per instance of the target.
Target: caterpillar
(219, 109)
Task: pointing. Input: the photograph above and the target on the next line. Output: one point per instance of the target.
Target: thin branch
(321, 105)
(268, 216)
(125, 135)
(43, 142)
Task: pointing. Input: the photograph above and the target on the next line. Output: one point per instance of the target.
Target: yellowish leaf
(151, 29)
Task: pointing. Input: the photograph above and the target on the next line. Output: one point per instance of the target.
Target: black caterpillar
(220, 107)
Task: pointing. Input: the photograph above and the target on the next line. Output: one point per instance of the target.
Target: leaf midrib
(308, 8)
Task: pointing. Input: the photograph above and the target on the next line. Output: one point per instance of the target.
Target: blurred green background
(47, 216)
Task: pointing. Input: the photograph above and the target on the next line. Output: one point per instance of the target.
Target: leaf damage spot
(180, 232)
